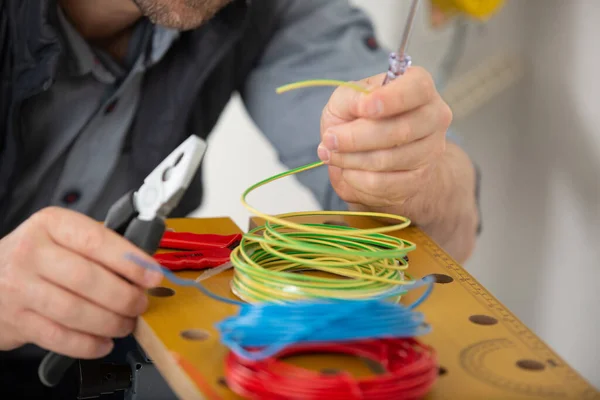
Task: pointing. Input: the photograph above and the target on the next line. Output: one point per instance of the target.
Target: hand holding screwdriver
(387, 151)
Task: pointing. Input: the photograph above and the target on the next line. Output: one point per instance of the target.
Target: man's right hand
(63, 285)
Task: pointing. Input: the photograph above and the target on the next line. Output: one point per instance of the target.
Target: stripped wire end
(398, 66)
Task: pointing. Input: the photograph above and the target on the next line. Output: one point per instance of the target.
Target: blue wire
(179, 281)
(271, 327)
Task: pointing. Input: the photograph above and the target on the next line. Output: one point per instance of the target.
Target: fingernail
(374, 107)
(152, 278)
(323, 153)
(330, 141)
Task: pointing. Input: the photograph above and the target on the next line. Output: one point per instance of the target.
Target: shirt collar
(83, 60)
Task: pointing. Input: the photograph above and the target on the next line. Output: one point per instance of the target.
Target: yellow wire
(269, 261)
(319, 82)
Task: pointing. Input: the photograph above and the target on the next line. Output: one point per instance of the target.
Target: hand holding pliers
(140, 217)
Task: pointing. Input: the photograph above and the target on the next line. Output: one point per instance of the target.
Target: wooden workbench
(485, 352)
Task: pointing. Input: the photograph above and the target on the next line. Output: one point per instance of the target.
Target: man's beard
(180, 14)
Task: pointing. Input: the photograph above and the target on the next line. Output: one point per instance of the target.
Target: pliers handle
(139, 216)
(199, 241)
(122, 218)
(194, 260)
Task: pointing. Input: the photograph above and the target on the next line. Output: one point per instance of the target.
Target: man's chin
(174, 21)
(177, 14)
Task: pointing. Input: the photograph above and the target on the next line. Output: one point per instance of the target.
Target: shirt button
(371, 43)
(111, 106)
(47, 84)
(71, 197)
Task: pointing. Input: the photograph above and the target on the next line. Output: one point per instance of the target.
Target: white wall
(539, 149)
(537, 145)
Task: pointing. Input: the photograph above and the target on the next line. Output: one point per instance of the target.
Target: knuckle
(378, 161)
(66, 309)
(326, 118)
(90, 240)
(446, 115)
(53, 336)
(427, 86)
(131, 301)
(22, 248)
(88, 347)
(11, 288)
(18, 256)
(134, 272)
(86, 236)
(407, 132)
(373, 182)
(349, 141)
(440, 149)
(404, 132)
(116, 326)
(81, 278)
(382, 161)
(48, 217)
(422, 174)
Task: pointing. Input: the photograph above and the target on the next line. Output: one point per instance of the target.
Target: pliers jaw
(166, 184)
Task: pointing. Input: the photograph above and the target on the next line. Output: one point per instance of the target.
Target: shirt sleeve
(316, 39)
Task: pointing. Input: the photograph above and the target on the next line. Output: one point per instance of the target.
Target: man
(94, 95)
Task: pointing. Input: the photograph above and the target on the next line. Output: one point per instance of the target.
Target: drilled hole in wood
(483, 320)
(338, 223)
(442, 371)
(222, 381)
(194, 334)
(441, 278)
(530, 365)
(161, 292)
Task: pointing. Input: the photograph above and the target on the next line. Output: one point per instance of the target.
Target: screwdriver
(400, 61)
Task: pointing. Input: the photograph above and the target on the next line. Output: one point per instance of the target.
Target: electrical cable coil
(284, 312)
(411, 370)
(271, 328)
(371, 263)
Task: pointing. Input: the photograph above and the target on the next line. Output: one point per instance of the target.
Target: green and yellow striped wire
(272, 261)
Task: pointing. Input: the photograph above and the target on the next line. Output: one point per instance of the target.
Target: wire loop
(285, 261)
(411, 370)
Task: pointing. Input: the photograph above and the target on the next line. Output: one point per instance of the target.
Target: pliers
(140, 217)
(202, 250)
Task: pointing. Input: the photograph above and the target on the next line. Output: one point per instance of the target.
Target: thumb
(347, 102)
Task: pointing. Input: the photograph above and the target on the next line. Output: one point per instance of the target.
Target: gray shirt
(76, 156)
(75, 132)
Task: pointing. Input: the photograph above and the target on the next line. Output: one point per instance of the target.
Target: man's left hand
(387, 151)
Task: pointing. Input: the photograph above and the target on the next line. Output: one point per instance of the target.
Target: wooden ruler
(484, 351)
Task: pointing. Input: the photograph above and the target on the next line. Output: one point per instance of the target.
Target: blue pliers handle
(139, 216)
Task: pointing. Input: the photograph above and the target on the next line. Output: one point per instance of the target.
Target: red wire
(411, 372)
